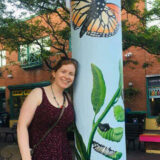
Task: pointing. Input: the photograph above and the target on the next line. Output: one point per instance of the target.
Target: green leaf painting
(119, 113)
(99, 89)
(98, 96)
(80, 145)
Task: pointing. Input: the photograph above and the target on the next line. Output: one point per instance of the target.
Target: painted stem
(94, 127)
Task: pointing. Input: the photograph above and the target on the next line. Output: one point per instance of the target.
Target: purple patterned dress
(55, 146)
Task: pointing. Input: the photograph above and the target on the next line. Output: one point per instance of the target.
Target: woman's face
(64, 76)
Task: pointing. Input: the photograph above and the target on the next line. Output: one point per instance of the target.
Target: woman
(41, 109)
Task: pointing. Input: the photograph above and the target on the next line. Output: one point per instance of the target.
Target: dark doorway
(2, 101)
(155, 106)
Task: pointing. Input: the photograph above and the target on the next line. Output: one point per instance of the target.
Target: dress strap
(43, 94)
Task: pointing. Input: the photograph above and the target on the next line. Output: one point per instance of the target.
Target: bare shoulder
(36, 91)
(35, 95)
(29, 106)
(46, 88)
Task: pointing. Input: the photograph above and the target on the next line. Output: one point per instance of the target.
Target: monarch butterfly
(113, 134)
(106, 151)
(96, 17)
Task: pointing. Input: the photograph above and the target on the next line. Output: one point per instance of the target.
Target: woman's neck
(57, 90)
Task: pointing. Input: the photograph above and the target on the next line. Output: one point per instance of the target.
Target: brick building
(141, 77)
(142, 73)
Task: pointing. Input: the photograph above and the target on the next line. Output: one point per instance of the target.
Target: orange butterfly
(97, 18)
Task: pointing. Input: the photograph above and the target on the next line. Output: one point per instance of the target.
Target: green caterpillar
(106, 151)
(113, 134)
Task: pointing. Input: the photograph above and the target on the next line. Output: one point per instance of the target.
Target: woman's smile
(64, 76)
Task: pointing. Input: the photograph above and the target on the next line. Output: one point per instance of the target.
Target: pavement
(141, 155)
(8, 147)
(9, 151)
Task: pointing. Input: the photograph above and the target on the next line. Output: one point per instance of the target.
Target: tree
(2, 7)
(15, 31)
(137, 33)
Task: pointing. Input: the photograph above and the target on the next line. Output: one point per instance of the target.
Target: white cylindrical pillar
(97, 45)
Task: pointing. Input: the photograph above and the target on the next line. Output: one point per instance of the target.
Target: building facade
(141, 76)
(142, 82)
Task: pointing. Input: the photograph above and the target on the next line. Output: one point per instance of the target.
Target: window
(2, 58)
(29, 55)
(153, 98)
(18, 97)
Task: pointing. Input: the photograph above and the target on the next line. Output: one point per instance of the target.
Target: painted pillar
(97, 45)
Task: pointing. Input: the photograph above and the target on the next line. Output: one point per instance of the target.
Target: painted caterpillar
(113, 134)
(106, 151)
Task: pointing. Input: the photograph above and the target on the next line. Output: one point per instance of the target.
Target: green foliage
(158, 59)
(99, 89)
(65, 33)
(17, 31)
(116, 156)
(128, 61)
(145, 65)
(130, 93)
(136, 33)
(80, 145)
(119, 113)
(114, 133)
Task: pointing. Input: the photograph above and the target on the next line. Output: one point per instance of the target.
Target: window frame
(30, 54)
(148, 87)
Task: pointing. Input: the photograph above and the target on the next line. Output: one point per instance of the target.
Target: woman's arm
(26, 115)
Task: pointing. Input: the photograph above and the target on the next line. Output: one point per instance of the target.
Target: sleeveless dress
(55, 146)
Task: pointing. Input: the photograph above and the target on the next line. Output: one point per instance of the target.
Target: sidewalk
(9, 151)
(8, 147)
(140, 154)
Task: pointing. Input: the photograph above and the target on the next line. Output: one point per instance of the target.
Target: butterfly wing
(116, 10)
(79, 12)
(107, 24)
